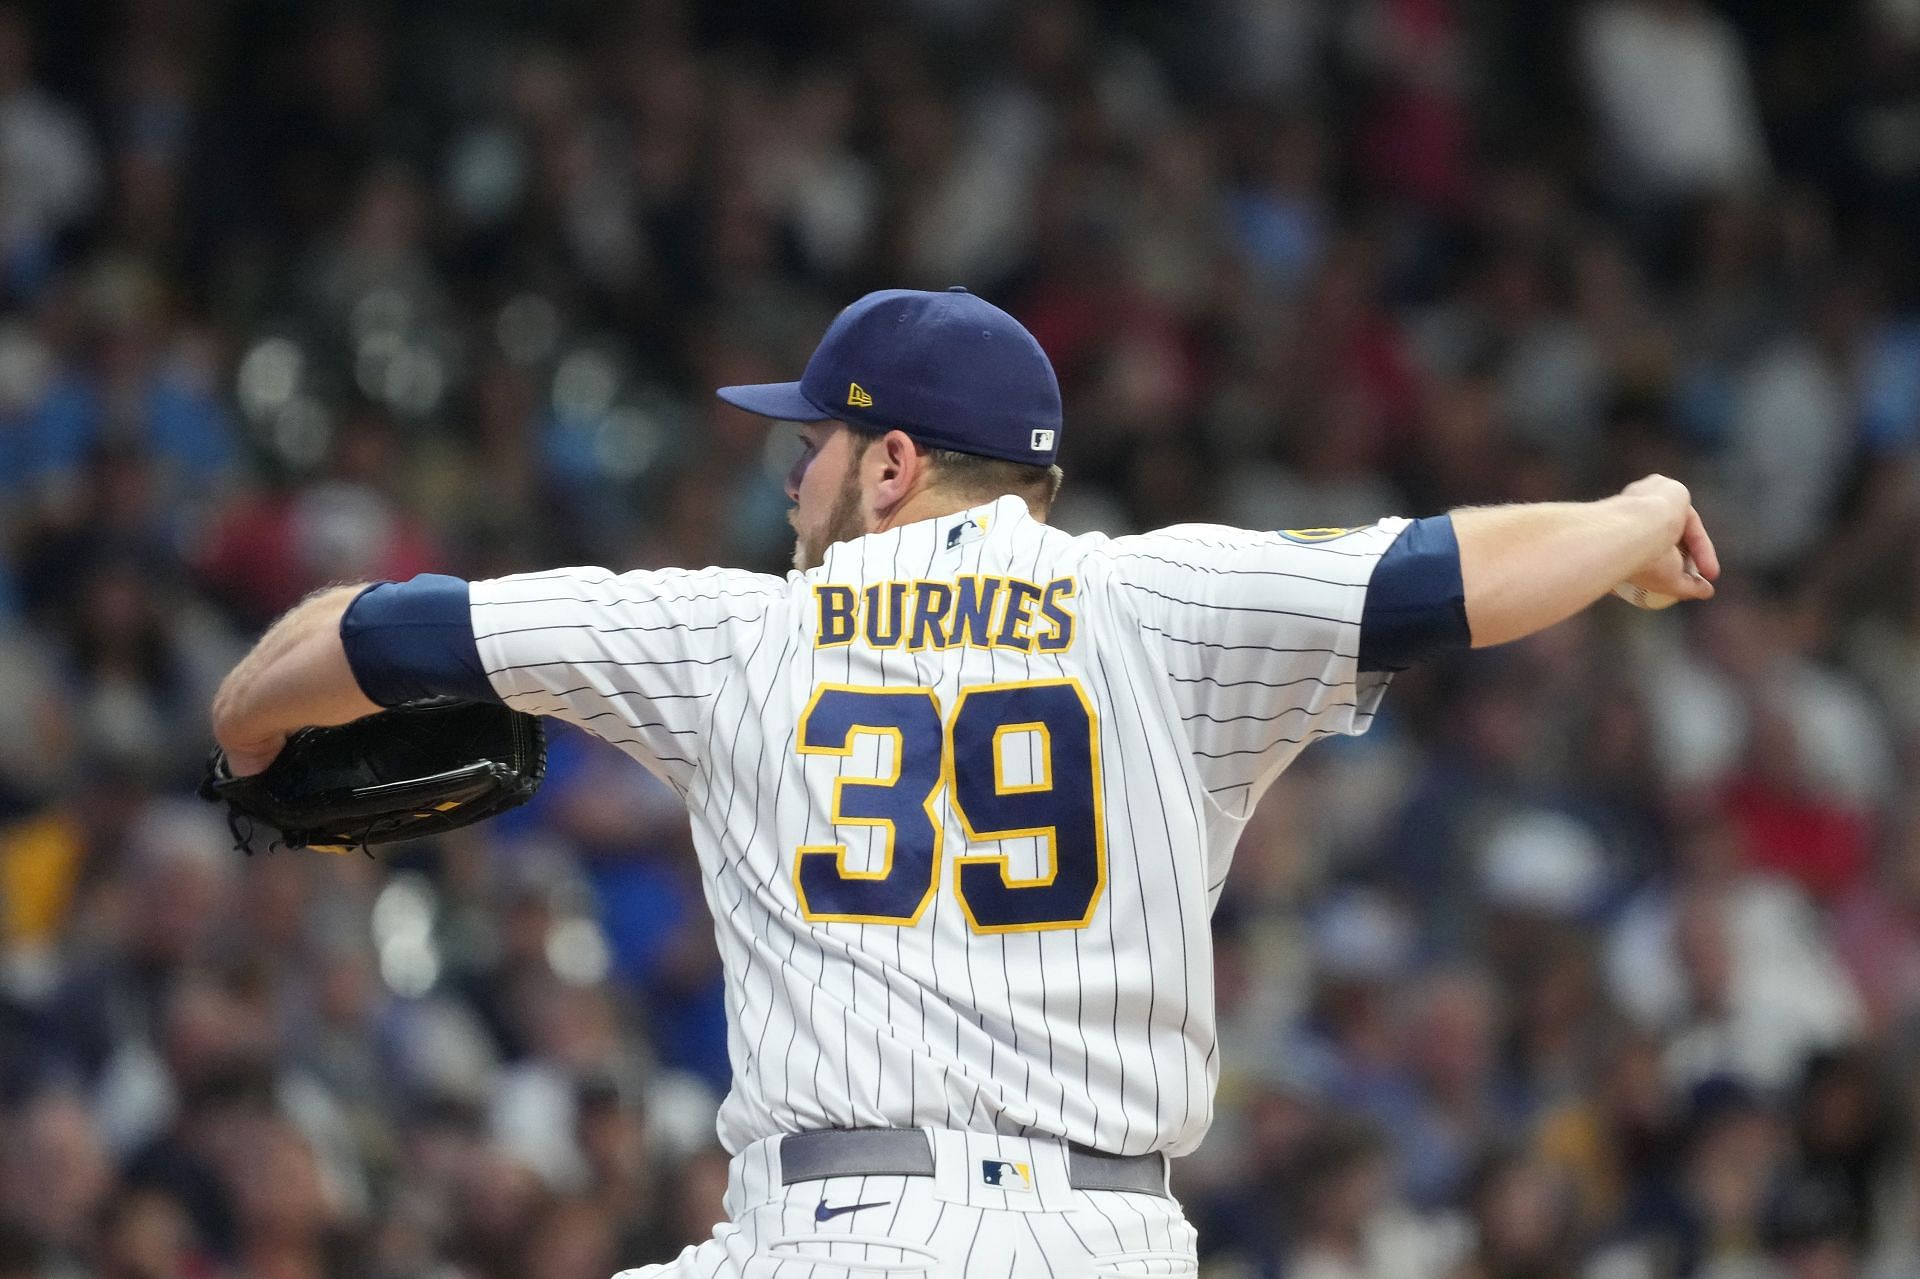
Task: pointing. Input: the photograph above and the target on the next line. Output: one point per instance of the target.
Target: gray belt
(907, 1152)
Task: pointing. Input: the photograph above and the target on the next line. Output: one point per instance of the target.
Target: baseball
(1641, 597)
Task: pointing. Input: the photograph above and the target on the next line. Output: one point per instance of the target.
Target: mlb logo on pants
(1007, 1176)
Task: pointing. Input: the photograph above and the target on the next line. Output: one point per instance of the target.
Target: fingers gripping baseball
(1685, 570)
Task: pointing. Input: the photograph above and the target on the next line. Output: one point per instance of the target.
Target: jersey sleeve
(635, 658)
(1260, 633)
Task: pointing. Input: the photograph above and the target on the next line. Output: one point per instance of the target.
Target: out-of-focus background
(1598, 957)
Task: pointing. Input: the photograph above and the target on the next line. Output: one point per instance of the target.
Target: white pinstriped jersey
(964, 797)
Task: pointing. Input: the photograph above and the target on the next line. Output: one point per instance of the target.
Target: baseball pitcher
(965, 788)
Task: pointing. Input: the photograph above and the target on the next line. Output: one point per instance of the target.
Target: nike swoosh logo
(824, 1213)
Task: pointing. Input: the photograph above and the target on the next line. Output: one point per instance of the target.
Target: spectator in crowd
(49, 164)
(1675, 99)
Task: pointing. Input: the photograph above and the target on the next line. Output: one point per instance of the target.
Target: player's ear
(897, 465)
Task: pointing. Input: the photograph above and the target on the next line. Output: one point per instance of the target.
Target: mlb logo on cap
(950, 369)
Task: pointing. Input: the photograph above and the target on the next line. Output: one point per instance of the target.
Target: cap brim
(781, 400)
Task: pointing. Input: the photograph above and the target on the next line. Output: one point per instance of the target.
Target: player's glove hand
(411, 771)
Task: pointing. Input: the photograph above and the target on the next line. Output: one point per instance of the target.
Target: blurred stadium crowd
(1597, 957)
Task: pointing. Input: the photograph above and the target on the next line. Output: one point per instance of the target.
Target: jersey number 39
(1058, 804)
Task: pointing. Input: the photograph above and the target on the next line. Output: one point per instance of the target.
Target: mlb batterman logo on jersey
(965, 531)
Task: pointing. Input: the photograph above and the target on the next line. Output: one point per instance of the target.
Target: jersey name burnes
(984, 611)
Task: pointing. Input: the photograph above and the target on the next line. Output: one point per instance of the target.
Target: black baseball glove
(415, 770)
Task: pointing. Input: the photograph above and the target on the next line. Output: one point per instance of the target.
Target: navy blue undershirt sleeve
(414, 639)
(1416, 607)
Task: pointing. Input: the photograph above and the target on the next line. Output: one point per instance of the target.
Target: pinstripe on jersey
(885, 969)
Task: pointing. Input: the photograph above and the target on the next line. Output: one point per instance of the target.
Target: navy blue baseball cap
(950, 369)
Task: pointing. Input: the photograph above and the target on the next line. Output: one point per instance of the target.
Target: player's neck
(929, 502)
(925, 504)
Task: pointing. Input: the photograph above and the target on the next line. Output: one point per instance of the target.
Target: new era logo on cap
(1042, 441)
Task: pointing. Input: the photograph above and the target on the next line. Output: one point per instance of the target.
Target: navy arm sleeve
(1416, 608)
(414, 639)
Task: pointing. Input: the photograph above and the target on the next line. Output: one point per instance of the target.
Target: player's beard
(844, 522)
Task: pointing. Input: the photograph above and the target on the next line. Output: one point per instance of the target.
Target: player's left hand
(418, 769)
(248, 759)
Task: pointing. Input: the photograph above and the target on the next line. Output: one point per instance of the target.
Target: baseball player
(965, 789)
